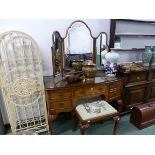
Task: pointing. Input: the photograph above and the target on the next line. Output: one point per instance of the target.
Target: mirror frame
(107, 47)
(63, 39)
(63, 64)
(53, 53)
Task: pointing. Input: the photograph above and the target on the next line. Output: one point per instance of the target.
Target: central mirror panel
(101, 48)
(78, 44)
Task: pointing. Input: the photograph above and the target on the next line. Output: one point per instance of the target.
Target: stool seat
(89, 113)
(94, 109)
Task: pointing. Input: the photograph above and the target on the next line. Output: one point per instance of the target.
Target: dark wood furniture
(63, 97)
(139, 87)
(143, 116)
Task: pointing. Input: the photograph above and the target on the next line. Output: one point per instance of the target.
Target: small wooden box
(143, 116)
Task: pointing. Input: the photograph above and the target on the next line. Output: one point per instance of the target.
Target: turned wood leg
(51, 118)
(83, 127)
(120, 103)
(116, 122)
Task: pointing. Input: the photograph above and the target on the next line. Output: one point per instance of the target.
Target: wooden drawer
(114, 94)
(91, 91)
(116, 85)
(100, 89)
(60, 104)
(59, 95)
(136, 77)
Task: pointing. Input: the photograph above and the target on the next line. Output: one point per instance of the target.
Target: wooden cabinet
(139, 87)
(151, 93)
(135, 95)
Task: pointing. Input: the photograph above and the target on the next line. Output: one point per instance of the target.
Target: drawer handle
(138, 78)
(92, 89)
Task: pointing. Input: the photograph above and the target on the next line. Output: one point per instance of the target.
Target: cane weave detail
(21, 82)
(24, 87)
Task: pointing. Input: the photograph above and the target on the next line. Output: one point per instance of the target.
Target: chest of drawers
(139, 87)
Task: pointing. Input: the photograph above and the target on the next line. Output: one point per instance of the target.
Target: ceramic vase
(111, 67)
(112, 56)
(103, 53)
(146, 56)
(153, 56)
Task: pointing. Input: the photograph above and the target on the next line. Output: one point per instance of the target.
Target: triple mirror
(78, 44)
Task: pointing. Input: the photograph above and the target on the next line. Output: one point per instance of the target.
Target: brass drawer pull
(92, 89)
(138, 78)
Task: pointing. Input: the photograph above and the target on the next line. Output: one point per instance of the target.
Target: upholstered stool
(93, 112)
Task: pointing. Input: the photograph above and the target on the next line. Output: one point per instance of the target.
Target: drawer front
(116, 85)
(114, 94)
(136, 77)
(91, 91)
(60, 104)
(115, 90)
(59, 95)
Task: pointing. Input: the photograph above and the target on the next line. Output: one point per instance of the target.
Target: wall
(41, 31)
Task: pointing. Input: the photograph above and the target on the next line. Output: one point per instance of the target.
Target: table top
(53, 83)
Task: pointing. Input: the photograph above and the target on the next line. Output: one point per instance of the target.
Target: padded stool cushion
(95, 109)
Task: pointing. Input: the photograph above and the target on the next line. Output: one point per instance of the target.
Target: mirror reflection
(57, 53)
(101, 49)
(78, 44)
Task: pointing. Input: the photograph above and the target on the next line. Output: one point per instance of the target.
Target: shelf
(137, 20)
(134, 34)
(129, 49)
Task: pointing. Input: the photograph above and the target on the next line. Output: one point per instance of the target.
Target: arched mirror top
(78, 39)
(79, 24)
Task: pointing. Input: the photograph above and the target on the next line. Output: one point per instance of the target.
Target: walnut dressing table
(63, 97)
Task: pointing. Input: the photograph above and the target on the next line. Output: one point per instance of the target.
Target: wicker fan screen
(22, 82)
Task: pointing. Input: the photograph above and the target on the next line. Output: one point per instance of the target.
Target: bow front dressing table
(63, 97)
(78, 44)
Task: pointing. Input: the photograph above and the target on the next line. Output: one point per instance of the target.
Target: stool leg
(116, 122)
(75, 121)
(83, 127)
